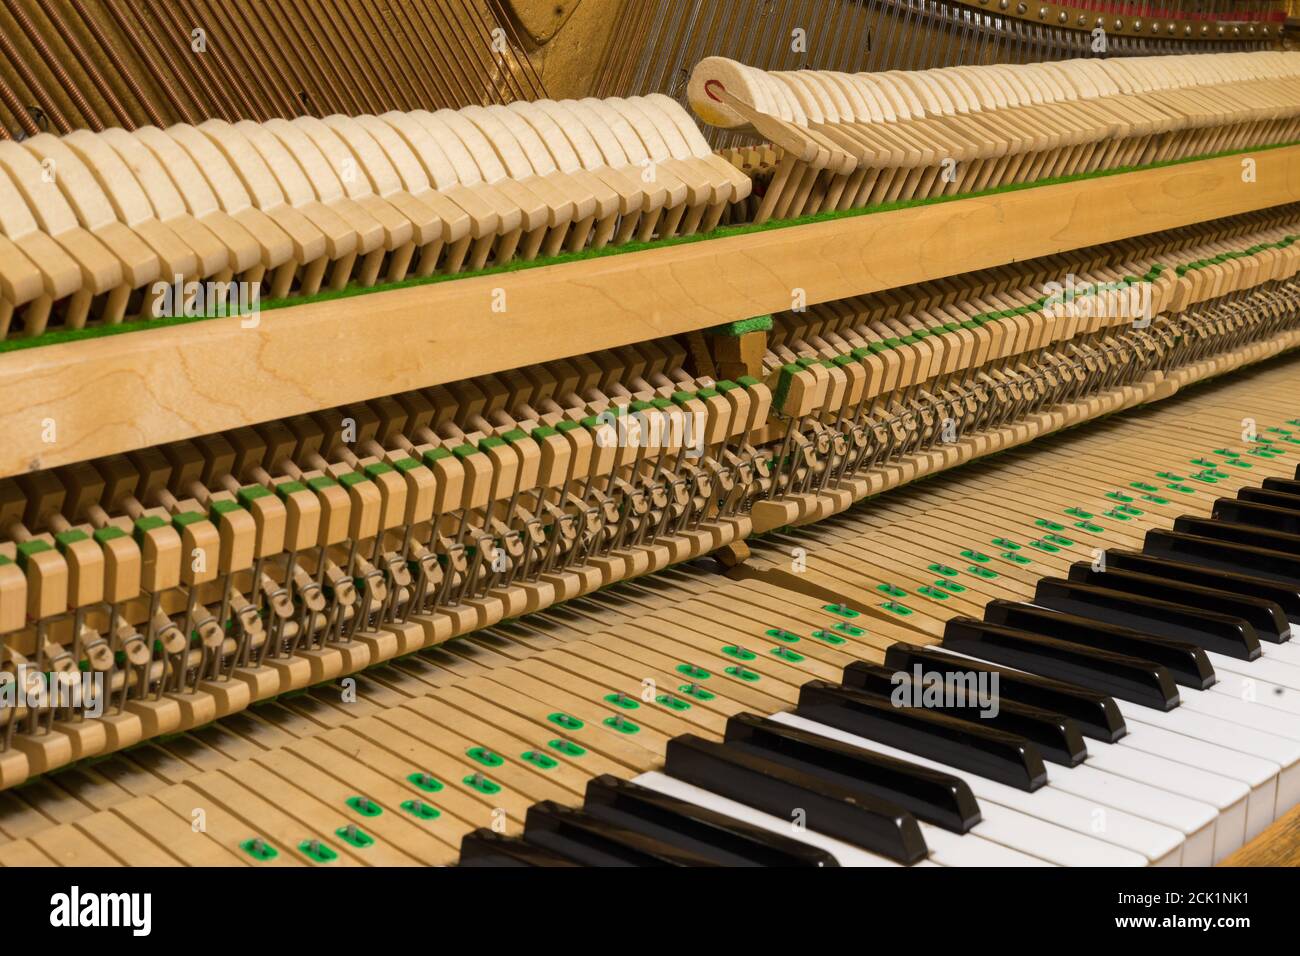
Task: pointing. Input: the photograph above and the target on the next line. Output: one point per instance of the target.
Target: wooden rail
(69, 402)
(1279, 845)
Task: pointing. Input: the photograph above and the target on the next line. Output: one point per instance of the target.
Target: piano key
(1221, 792)
(1264, 616)
(1284, 653)
(1056, 736)
(1237, 533)
(483, 847)
(1286, 486)
(1260, 774)
(1271, 495)
(1186, 663)
(946, 848)
(951, 849)
(1096, 714)
(594, 842)
(1257, 514)
(1242, 712)
(846, 853)
(1283, 753)
(1176, 622)
(1267, 668)
(1227, 796)
(1263, 693)
(1144, 842)
(1193, 818)
(1261, 743)
(998, 755)
(1286, 598)
(1256, 773)
(939, 799)
(840, 811)
(728, 842)
(1123, 678)
(1224, 556)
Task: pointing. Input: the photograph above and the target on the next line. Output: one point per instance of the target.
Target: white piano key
(1260, 775)
(1242, 712)
(970, 849)
(1229, 797)
(1052, 843)
(1194, 819)
(1226, 756)
(1218, 730)
(1249, 688)
(1129, 841)
(846, 853)
(1287, 653)
(1262, 668)
(1285, 753)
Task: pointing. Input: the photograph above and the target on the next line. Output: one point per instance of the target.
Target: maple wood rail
(1279, 845)
(116, 393)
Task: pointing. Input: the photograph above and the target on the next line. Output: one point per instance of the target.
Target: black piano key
(726, 841)
(484, 847)
(1237, 533)
(1126, 678)
(1224, 556)
(1270, 496)
(1096, 714)
(1259, 515)
(826, 808)
(1287, 598)
(930, 795)
(1056, 736)
(955, 743)
(1264, 616)
(1153, 618)
(1287, 486)
(1187, 663)
(594, 842)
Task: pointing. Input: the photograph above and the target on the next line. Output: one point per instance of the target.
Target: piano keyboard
(1185, 692)
(699, 720)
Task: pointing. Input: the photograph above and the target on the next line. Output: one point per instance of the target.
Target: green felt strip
(759, 323)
